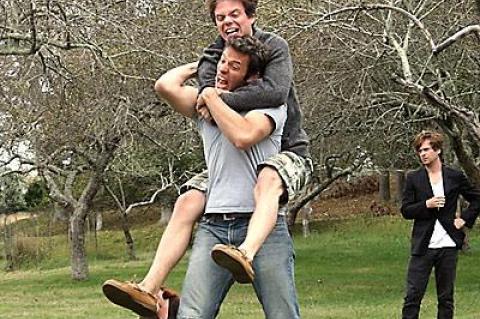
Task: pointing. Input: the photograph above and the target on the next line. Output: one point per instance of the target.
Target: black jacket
(418, 190)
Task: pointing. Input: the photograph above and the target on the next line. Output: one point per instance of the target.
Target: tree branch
(150, 201)
(456, 37)
(293, 211)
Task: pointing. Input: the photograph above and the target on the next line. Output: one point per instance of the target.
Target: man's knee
(269, 182)
(189, 206)
(414, 297)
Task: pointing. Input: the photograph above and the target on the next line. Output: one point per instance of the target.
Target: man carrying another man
(234, 147)
(279, 177)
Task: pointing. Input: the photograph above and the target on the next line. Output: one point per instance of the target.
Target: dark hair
(249, 5)
(255, 49)
(435, 138)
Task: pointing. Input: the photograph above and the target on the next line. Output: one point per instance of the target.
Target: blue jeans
(206, 284)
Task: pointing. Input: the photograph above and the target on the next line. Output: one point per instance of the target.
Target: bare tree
(78, 95)
(124, 210)
(385, 69)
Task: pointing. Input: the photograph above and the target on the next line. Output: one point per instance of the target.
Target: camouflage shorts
(198, 182)
(295, 172)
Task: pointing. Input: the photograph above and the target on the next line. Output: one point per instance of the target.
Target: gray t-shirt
(232, 172)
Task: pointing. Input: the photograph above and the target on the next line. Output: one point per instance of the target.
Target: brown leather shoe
(235, 260)
(129, 295)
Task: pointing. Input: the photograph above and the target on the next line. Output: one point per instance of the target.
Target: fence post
(384, 185)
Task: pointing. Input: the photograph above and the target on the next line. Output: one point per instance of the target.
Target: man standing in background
(430, 200)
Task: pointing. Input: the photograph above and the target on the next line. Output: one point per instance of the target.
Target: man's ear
(254, 19)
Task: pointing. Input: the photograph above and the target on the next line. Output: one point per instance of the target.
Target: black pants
(445, 262)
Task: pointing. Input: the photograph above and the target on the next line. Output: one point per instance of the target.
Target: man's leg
(267, 194)
(175, 239)
(419, 270)
(445, 272)
(143, 298)
(206, 284)
(274, 282)
(280, 178)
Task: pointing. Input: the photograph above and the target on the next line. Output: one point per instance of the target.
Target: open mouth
(232, 32)
(221, 83)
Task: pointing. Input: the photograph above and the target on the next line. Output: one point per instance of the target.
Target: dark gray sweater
(275, 88)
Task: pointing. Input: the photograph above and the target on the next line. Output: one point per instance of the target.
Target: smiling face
(232, 69)
(231, 19)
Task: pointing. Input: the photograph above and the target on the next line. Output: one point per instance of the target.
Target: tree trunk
(465, 158)
(8, 245)
(400, 184)
(166, 215)
(98, 221)
(78, 252)
(466, 161)
(306, 214)
(384, 186)
(295, 208)
(128, 237)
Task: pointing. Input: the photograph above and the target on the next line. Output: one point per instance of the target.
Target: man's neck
(434, 167)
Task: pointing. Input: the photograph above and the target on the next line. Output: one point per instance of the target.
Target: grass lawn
(345, 269)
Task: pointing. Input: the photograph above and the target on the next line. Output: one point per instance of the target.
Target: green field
(345, 269)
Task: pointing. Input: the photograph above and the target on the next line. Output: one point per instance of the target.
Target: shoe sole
(120, 297)
(231, 264)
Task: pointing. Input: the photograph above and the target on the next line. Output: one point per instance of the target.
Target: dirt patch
(328, 208)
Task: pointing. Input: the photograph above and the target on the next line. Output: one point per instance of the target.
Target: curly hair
(249, 5)
(257, 51)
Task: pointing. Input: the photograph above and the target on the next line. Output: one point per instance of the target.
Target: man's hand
(204, 113)
(459, 223)
(435, 202)
(200, 102)
(201, 107)
(208, 92)
(192, 68)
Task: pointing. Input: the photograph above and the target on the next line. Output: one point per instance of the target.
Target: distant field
(345, 269)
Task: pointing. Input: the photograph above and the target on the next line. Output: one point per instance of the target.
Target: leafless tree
(121, 202)
(378, 71)
(78, 94)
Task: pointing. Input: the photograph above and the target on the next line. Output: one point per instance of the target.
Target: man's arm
(207, 65)
(171, 87)
(472, 195)
(269, 91)
(412, 207)
(241, 131)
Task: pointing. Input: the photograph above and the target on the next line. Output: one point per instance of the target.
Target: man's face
(427, 154)
(231, 69)
(231, 19)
